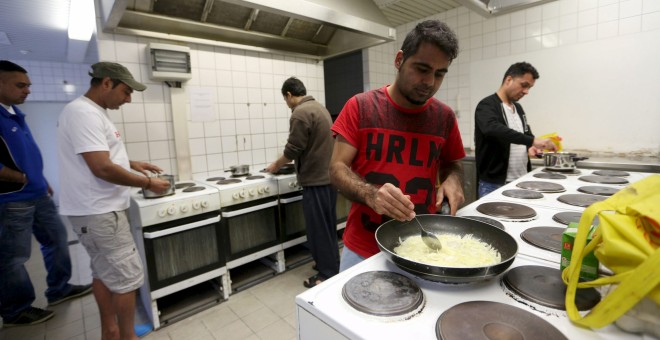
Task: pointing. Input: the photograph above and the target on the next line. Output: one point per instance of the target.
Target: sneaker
(30, 316)
(75, 292)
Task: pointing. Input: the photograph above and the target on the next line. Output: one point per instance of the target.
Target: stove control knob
(292, 184)
(184, 208)
(171, 210)
(262, 190)
(235, 195)
(205, 204)
(243, 193)
(162, 212)
(196, 205)
(253, 192)
(267, 189)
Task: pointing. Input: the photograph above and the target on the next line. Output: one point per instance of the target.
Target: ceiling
(37, 29)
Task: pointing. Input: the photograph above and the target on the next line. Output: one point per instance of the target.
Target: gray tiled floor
(264, 311)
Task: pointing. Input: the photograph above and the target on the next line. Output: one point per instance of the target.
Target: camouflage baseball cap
(116, 71)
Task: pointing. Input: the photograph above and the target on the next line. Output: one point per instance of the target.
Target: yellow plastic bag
(555, 139)
(627, 242)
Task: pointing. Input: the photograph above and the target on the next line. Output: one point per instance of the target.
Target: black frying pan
(388, 234)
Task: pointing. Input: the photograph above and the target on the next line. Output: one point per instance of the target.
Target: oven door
(182, 249)
(249, 227)
(292, 219)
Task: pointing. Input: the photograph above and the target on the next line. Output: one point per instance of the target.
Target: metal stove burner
(548, 238)
(229, 181)
(193, 189)
(549, 175)
(603, 179)
(567, 172)
(506, 210)
(492, 320)
(543, 285)
(541, 186)
(214, 179)
(580, 200)
(381, 293)
(598, 190)
(184, 185)
(522, 193)
(255, 177)
(241, 175)
(567, 217)
(490, 221)
(616, 173)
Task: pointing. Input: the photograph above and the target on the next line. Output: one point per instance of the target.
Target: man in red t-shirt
(398, 150)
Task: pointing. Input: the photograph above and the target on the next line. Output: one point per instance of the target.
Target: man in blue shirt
(26, 208)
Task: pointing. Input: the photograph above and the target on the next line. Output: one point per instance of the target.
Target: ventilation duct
(313, 28)
(489, 8)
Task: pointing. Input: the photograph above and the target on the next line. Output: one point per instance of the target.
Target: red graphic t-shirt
(399, 146)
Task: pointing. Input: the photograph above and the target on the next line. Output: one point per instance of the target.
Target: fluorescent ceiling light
(82, 20)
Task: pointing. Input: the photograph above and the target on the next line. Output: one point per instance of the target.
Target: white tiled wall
(55, 82)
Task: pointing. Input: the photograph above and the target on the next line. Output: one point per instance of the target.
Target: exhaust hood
(489, 8)
(317, 29)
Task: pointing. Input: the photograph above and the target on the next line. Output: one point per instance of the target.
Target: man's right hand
(390, 200)
(544, 144)
(158, 185)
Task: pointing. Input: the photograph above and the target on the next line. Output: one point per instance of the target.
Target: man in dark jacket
(310, 144)
(504, 141)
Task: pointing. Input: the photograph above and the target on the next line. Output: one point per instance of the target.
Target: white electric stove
(323, 313)
(236, 190)
(190, 198)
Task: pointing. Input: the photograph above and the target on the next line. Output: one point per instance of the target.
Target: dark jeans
(319, 208)
(486, 188)
(18, 221)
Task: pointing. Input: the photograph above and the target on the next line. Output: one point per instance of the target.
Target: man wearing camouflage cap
(95, 177)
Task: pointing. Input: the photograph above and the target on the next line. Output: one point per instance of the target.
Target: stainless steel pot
(239, 170)
(170, 191)
(389, 234)
(561, 160)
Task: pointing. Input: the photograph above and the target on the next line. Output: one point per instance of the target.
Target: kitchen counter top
(602, 160)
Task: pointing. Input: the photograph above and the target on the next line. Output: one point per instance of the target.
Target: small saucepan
(559, 161)
(170, 191)
(390, 234)
(239, 170)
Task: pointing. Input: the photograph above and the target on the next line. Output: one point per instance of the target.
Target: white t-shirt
(518, 153)
(83, 126)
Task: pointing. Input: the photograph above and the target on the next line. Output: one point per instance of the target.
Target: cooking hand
(272, 168)
(534, 152)
(452, 190)
(544, 144)
(143, 167)
(158, 185)
(390, 200)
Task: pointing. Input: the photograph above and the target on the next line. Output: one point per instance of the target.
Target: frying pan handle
(445, 209)
(575, 159)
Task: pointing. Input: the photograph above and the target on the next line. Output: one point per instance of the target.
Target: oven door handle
(178, 229)
(291, 199)
(229, 214)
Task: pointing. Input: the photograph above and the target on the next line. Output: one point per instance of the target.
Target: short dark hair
(8, 66)
(519, 69)
(294, 86)
(431, 31)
